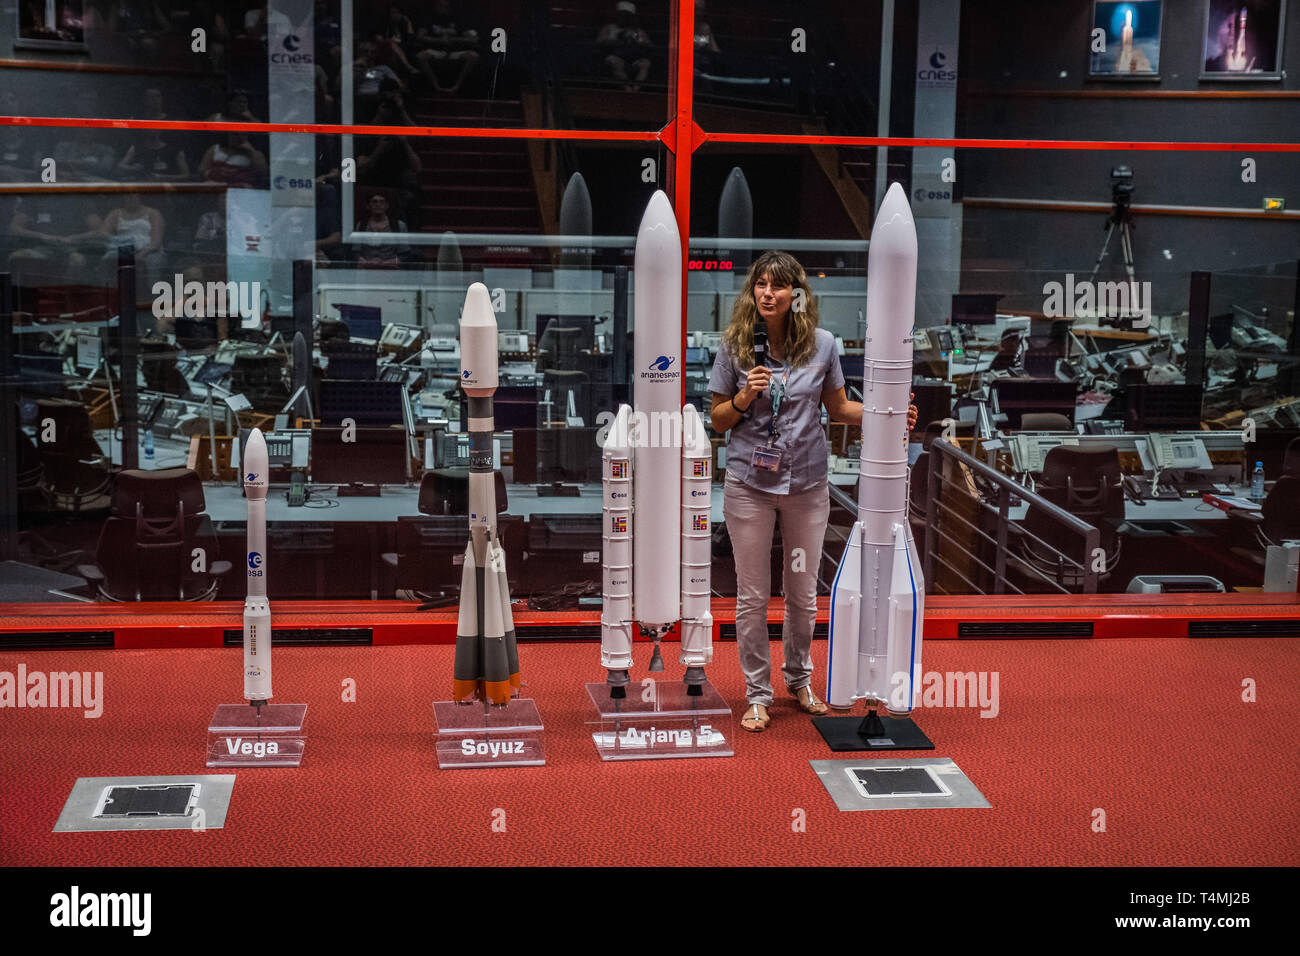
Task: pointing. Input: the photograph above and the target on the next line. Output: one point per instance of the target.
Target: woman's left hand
(912, 414)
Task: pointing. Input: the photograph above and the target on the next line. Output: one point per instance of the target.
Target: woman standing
(777, 465)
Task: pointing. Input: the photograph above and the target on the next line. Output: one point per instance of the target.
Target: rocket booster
(878, 596)
(257, 612)
(487, 657)
(656, 477)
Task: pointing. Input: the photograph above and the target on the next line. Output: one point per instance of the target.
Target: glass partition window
(227, 218)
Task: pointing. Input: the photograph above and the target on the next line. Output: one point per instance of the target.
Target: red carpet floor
(1154, 733)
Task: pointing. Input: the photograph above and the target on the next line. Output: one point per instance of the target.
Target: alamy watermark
(199, 300)
(655, 429)
(1114, 300)
(77, 690)
(951, 689)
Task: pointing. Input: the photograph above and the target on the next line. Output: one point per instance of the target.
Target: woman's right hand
(758, 381)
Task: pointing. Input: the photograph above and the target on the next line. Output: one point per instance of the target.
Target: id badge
(766, 458)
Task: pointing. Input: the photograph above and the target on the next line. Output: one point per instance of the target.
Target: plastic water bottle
(1257, 482)
(148, 445)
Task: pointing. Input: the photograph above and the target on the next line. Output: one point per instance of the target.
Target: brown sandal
(809, 703)
(756, 715)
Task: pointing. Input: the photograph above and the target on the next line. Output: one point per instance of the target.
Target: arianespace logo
(660, 370)
(465, 374)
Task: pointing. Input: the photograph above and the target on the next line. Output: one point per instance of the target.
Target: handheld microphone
(760, 342)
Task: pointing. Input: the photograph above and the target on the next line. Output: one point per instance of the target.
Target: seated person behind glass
(387, 256)
(44, 234)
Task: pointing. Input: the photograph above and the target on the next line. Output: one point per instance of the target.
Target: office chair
(1008, 357)
(146, 547)
(1045, 422)
(1278, 518)
(76, 471)
(445, 491)
(1085, 481)
(427, 548)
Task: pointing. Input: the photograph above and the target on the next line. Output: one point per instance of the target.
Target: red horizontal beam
(176, 625)
(642, 136)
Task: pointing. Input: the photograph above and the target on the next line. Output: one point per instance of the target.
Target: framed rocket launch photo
(1124, 40)
(1243, 39)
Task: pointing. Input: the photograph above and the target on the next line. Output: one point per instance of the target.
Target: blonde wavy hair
(800, 326)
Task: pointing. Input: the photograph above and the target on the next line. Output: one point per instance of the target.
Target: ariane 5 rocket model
(257, 612)
(878, 597)
(656, 481)
(487, 658)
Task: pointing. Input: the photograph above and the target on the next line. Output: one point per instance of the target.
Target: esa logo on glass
(254, 564)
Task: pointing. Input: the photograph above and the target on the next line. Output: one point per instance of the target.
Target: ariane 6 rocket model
(487, 657)
(257, 612)
(878, 597)
(656, 481)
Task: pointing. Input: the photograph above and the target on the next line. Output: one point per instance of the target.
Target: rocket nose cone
(255, 459)
(478, 307)
(894, 232)
(255, 450)
(894, 209)
(576, 190)
(658, 214)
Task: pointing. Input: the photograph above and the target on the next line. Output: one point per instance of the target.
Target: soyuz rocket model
(487, 657)
(656, 481)
(257, 611)
(878, 597)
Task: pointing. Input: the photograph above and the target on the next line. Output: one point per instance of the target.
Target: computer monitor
(1015, 396)
(363, 321)
(365, 402)
(513, 406)
(933, 403)
(40, 374)
(974, 308)
(376, 456)
(852, 367)
(213, 373)
(1163, 407)
(696, 356)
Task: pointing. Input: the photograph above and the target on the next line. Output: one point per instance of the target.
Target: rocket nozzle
(694, 680)
(656, 661)
(617, 680)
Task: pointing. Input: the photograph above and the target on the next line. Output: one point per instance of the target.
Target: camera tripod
(1121, 217)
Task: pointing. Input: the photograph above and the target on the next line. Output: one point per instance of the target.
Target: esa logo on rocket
(254, 564)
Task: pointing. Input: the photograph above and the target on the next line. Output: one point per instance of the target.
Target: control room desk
(225, 503)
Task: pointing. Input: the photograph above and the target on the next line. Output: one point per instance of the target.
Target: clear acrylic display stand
(660, 721)
(238, 736)
(479, 734)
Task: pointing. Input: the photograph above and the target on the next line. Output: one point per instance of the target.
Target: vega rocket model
(257, 611)
(878, 597)
(487, 657)
(656, 481)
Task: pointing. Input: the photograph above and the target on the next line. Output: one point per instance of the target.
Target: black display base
(844, 734)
